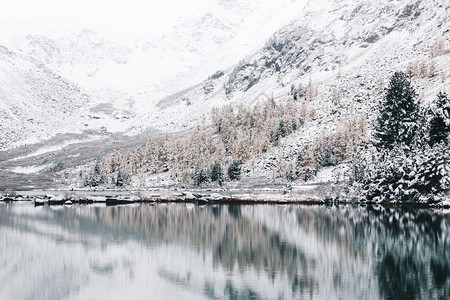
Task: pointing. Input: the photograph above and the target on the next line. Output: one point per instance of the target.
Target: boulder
(57, 198)
(100, 199)
(189, 197)
(216, 196)
(39, 201)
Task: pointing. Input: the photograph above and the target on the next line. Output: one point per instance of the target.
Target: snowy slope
(122, 74)
(350, 38)
(31, 95)
(227, 53)
(351, 47)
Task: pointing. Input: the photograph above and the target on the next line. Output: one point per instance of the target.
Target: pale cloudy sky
(130, 20)
(137, 15)
(97, 10)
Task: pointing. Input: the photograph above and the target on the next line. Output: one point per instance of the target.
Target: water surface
(183, 251)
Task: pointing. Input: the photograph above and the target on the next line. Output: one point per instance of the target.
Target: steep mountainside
(346, 51)
(349, 45)
(36, 102)
(121, 74)
(341, 53)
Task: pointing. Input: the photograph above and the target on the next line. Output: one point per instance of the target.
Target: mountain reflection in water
(223, 251)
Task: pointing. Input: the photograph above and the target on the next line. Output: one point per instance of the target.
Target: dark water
(179, 251)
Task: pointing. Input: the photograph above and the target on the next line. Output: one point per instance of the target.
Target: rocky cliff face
(348, 49)
(343, 38)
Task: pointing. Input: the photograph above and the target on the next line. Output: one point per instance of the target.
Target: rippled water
(178, 251)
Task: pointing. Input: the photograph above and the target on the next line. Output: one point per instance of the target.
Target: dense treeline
(215, 153)
(406, 159)
(409, 157)
(210, 153)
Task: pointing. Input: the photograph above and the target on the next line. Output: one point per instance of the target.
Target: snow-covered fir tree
(397, 122)
(234, 170)
(217, 173)
(439, 129)
(411, 157)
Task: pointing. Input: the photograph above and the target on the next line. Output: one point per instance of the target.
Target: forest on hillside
(404, 157)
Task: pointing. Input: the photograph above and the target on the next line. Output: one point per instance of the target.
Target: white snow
(130, 73)
(54, 148)
(30, 169)
(99, 199)
(189, 196)
(72, 79)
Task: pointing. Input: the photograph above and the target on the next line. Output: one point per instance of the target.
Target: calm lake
(184, 251)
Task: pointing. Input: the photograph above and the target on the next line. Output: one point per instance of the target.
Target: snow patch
(54, 148)
(30, 169)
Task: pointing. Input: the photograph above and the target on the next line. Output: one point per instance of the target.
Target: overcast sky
(97, 10)
(128, 20)
(138, 15)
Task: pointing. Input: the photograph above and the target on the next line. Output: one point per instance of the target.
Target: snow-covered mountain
(228, 52)
(347, 49)
(35, 101)
(126, 73)
(352, 44)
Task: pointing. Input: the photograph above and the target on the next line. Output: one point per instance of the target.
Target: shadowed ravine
(223, 251)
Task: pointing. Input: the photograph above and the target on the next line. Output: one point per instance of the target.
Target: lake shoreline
(123, 197)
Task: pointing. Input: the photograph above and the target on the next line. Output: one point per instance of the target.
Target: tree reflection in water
(265, 251)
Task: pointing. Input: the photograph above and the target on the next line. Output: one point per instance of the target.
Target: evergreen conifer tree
(119, 180)
(299, 161)
(202, 176)
(294, 124)
(439, 129)
(281, 130)
(96, 177)
(432, 169)
(234, 170)
(292, 174)
(398, 118)
(217, 173)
